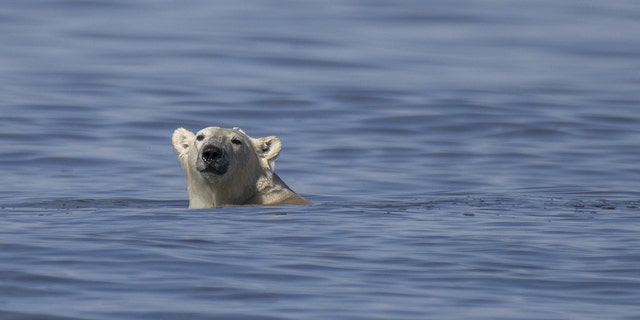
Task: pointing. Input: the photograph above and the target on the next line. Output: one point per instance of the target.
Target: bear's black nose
(211, 154)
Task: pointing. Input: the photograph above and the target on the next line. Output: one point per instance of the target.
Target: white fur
(250, 178)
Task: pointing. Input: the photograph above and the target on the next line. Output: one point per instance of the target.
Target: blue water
(466, 159)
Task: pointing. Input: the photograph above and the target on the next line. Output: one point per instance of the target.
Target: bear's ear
(269, 147)
(181, 141)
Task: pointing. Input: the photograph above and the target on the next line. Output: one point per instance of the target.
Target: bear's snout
(211, 154)
(212, 160)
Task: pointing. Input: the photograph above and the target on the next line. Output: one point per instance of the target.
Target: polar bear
(227, 167)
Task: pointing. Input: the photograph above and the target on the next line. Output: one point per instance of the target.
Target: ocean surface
(466, 159)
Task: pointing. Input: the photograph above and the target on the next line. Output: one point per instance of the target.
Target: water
(466, 159)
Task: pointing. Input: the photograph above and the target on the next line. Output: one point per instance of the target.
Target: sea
(465, 159)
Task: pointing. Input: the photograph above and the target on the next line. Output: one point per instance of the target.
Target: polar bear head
(225, 166)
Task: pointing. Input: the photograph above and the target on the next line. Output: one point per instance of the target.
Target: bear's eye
(236, 141)
(200, 137)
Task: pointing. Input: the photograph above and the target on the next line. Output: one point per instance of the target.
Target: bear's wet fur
(226, 167)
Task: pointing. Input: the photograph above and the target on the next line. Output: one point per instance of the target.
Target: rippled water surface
(466, 160)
